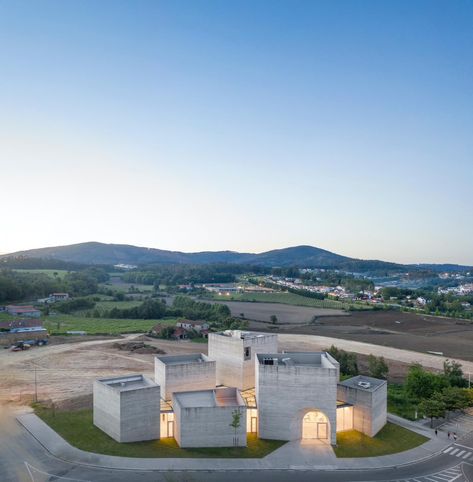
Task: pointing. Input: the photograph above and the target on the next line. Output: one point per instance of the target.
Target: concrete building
(296, 395)
(368, 396)
(204, 418)
(235, 353)
(184, 373)
(127, 408)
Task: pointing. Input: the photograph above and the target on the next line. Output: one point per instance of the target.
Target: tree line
(17, 286)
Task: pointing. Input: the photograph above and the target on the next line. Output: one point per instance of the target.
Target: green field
(108, 305)
(289, 299)
(390, 440)
(60, 273)
(78, 429)
(59, 324)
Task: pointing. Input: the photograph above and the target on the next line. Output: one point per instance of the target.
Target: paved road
(23, 459)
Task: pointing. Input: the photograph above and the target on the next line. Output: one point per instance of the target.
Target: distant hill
(298, 256)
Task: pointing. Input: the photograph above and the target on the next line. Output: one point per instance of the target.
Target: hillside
(300, 256)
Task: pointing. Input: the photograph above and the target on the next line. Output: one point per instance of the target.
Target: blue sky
(245, 125)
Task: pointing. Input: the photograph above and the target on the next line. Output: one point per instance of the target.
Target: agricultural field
(53, 273)
(117, 284)
(396, 329)
(60, 324)
(289, 299)
(286, 314)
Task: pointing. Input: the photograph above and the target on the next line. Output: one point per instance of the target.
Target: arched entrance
(315, 425)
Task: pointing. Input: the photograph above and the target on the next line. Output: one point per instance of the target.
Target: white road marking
(463, 446)
(466, 455)
(447, 450)
(29, 467)
(453, 452)
(459, 454)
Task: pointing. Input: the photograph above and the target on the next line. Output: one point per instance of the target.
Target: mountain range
(91, 253)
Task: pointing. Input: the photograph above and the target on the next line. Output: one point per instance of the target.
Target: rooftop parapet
(311, 359)
(128, 383)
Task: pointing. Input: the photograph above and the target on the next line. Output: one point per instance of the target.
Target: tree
(273, 319)
(378, 367)
(433, 407)
(236, 423)
(455, 398)
(453, 372)
(348, 361)
(421, 384)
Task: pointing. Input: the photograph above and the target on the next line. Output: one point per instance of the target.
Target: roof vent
(364, 384)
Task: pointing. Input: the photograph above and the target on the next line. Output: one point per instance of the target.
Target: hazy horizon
(245, 126)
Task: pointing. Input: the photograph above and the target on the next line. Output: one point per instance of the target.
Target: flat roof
(313, 359)
(183, 359)
(128, 383)
(244, 335)
(354, 382)
(220, 397)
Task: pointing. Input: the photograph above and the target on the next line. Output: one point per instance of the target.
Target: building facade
(235, 353)
(204, 418)
(184, 373)
(127, 408)
(296, 395)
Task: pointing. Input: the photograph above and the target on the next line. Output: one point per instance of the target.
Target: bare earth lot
(390, 328)
(287, 314)
(66, 371)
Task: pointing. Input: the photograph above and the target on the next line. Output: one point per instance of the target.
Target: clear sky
(243, 125)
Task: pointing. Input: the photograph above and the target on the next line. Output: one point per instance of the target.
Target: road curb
(308, 468)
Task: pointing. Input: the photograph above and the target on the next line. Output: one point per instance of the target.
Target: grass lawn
(289, 299)
(50, 272)
(77, 428)
(59, 324)
(390, 440)
(199, 340)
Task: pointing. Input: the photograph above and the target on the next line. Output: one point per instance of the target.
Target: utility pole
(35, 386)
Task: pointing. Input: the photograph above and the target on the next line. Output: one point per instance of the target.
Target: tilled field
(454, 338)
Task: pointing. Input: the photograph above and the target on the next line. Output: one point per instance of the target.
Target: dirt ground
(287, 314)
(67, 370)
(408, 331)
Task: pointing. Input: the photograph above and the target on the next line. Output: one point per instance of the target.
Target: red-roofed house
(28, 311)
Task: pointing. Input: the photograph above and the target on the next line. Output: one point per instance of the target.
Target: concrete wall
(208, 426)
(188, 376)
(369, 407)
(286, 393)
(129, 415)
(233, 370)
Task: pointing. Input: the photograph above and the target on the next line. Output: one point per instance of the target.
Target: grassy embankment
(77, 428)
(390, 440)
(290, 299)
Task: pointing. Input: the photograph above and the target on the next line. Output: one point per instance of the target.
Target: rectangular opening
(247, 353)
